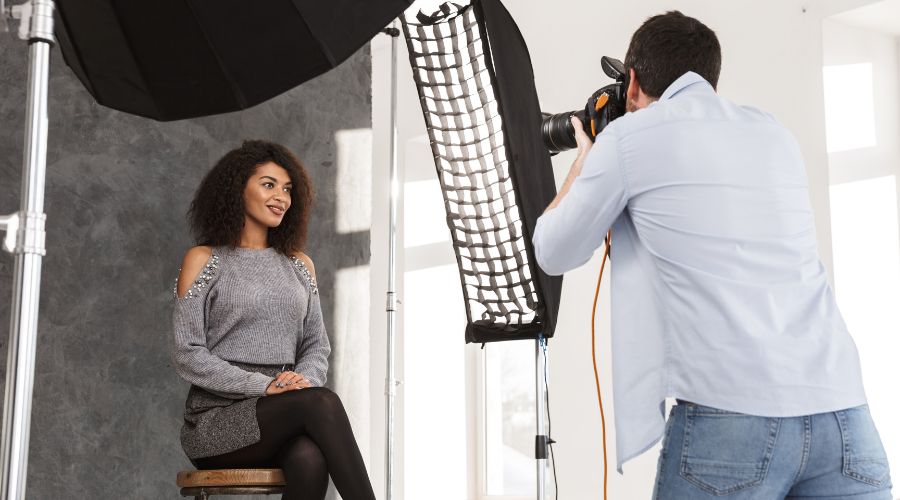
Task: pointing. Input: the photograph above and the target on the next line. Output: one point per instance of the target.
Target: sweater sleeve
(313, 346)
(193, 360)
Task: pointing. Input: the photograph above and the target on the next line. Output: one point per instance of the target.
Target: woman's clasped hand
(287, 381)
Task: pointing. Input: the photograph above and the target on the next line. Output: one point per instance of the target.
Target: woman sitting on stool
(249, 334)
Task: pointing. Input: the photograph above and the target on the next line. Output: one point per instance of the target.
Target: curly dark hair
(217, 212)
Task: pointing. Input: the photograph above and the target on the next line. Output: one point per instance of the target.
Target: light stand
(542, 439)
(390, 384)
(28, 247)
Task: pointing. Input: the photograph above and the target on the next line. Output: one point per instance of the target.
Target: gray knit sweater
(249, 306)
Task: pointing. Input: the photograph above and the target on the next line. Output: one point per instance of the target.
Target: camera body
(604, 106)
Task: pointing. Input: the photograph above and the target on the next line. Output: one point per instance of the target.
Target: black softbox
(476, 87)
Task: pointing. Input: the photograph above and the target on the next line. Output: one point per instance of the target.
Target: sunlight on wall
(849, 107)
(350, 350)
(353, 180)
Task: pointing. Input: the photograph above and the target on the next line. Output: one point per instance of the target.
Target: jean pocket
(864, 457)
(724, 452)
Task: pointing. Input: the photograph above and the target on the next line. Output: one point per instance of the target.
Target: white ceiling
(882, 16)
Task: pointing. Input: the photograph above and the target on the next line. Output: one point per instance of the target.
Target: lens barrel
(558, 132)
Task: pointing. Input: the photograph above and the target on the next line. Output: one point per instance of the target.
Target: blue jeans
(713, 454)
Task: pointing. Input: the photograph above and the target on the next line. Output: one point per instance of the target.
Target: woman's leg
(319, 414)
(300, 460)
(304, 470)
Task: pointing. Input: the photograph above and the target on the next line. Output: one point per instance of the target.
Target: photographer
(719, 297)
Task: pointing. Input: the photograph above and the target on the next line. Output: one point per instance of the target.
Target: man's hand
(584, 147)
(583, 140)
(287, 381)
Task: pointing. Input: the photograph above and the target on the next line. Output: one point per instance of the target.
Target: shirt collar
(683, 81)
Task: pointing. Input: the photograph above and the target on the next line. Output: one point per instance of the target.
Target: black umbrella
(176, 59)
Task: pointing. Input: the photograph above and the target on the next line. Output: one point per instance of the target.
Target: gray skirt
(214, 425)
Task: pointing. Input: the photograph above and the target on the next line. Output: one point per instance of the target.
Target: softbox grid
(448, 57)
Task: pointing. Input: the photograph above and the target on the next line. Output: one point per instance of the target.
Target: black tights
(307, 434)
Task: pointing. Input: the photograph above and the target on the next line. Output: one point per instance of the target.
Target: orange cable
(594, 357)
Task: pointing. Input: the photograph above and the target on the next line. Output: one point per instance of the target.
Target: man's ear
(634, 89)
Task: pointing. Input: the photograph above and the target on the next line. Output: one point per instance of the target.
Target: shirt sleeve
(566, 236)
(193, 360)
(313, 346)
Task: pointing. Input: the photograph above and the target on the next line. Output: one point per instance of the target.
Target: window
(867, 285)
(509, 419)
(434, 373)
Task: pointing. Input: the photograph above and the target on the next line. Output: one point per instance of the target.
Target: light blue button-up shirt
(719, 296)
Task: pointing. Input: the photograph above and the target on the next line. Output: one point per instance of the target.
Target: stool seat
(202, 483)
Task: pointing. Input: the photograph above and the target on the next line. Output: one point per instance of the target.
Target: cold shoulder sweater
(247, 306)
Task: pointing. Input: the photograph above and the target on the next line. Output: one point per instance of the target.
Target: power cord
(550, 440)
(594, 357)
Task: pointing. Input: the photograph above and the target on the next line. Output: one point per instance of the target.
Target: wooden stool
(201, 484)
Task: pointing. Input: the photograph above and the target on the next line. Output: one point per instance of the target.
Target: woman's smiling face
(267, 195)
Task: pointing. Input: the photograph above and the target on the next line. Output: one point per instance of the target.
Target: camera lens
(558, 132)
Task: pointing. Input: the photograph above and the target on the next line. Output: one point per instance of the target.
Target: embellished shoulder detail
(304, 271)
(206, 275)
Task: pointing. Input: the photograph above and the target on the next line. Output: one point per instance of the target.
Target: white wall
(867, 263)
(772, 53)
(845, 44)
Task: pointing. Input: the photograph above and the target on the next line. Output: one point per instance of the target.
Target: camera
(604, 106)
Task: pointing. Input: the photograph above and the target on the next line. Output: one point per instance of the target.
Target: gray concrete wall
(107, 403)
